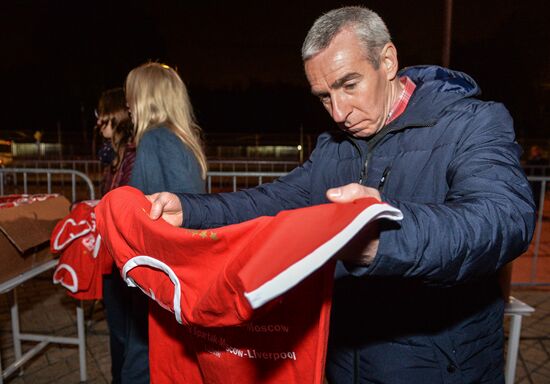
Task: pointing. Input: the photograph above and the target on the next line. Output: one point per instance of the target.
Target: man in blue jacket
(419, 302)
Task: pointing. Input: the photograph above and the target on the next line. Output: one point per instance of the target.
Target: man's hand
(166, 205)
(363, 247)
(351, 192)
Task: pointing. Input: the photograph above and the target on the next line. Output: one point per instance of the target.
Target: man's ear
(388, 61)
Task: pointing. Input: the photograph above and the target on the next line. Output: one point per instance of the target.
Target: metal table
(10, 287)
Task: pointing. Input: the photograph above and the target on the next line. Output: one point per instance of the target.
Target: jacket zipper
(374, 142)
(362, 175)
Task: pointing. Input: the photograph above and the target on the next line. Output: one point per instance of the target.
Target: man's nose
(340, 109)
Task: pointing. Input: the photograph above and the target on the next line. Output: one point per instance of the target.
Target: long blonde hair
(157, 96)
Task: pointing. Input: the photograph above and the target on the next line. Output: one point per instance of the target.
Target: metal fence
(94, 170)
(251, 166)
(93, 167)
(89, 167)
(67, 182)
(536, 170)
(233, 181)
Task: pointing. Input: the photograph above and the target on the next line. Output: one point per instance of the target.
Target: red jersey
(253, 298)
(82, 262)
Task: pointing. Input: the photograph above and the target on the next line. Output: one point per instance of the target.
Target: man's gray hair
(367, 25)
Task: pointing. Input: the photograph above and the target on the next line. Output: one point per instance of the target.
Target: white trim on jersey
(73, 288)
(72, 236)
(149, 261)
(298, 271)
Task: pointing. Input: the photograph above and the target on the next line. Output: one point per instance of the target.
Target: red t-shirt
(253, 298)
(82, 260)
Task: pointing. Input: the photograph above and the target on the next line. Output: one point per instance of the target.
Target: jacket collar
(436, 89)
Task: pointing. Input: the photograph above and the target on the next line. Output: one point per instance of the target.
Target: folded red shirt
(217, 283)
(10, 201)
(82, 260)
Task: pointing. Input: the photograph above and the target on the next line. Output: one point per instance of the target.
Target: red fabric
(10, 201)
(401, 103)
(218, 282)
(83, 261)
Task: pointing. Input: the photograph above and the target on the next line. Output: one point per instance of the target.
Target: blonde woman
(170, 157)
(170, 152)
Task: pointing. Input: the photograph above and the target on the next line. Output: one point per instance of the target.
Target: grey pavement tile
(49, 374)
(58, 352)
(37, 363)
(536, 356)
(544, 370)
(537, 330)
(536, 378)
(525, 344)
(70, 378)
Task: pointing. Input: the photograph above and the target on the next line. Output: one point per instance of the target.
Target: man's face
(357, 96)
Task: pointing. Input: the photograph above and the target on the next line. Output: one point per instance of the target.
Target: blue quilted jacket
(429, 308)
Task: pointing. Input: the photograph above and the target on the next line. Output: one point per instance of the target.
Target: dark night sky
(241, 60)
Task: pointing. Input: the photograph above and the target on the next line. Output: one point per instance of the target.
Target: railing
(251, 166)
(536, 170)
(89, 167)
(94, 166)
(233, 181)
(16, 180)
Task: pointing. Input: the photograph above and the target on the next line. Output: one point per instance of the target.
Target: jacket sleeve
(486, 221)
(288, 192)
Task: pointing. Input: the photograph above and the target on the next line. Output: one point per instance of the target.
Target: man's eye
(325, 99)
(349, 86)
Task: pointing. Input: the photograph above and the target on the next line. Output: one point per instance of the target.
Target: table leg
(513, 348)
(81, 340)
(15, 328)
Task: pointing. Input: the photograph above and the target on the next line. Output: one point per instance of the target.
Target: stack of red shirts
(82, 261)
(253, 299)
(10, 201)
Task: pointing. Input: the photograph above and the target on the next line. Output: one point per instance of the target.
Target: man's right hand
(166, 205)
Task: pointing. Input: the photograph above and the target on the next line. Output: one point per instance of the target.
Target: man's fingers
(351, 192)
(166, 205)
(157, 205)
(345, 194)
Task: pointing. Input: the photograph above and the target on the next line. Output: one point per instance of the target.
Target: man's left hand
(368, 239)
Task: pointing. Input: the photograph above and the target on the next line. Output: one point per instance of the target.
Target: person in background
(419, 301)
(105, 153)
(116, 127)
(170, 156)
